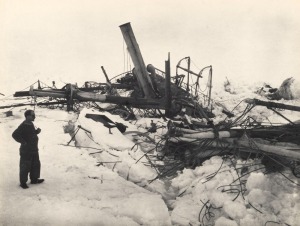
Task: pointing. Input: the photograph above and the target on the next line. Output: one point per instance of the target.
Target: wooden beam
(134, 102)
(33, 104)
(271, 104)
(104, 72)
(168, 92)
(96, 97)
(138, 61)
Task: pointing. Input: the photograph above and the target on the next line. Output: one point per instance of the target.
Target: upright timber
(141, 72)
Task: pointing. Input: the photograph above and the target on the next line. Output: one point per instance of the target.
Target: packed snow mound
(209, 195)
(76, 191)
(235, 101)
(295, 88)
(284, 91)
(115, 150)
(288, 90)
(106, 136)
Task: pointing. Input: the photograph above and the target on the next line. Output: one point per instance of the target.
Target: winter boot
(37, 181)
(24, 186)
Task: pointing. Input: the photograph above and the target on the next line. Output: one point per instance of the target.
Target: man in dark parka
(26, 134)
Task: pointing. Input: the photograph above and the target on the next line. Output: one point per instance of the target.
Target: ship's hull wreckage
(155, 90)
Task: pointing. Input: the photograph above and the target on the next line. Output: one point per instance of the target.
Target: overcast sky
(69, 41)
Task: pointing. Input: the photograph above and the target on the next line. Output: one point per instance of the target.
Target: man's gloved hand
(38, 130)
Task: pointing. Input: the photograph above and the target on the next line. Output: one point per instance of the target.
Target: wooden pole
(33, 104)
(130, 101)
(209, 134)
(188, 76)
(189, 71)
(104, 72)
(270, 104)
(168, 93)
(273, 149)
(210, 86)
(137, 59)
(76, 94)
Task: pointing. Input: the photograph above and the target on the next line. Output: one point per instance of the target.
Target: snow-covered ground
(104, 182)
(75, 191)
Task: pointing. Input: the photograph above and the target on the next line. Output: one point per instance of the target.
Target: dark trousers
(29, 164)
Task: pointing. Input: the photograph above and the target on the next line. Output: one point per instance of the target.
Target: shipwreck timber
(151, 87)
(138, 61)
(189, 141)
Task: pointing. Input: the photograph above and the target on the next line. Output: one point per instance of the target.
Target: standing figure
(26, 134)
